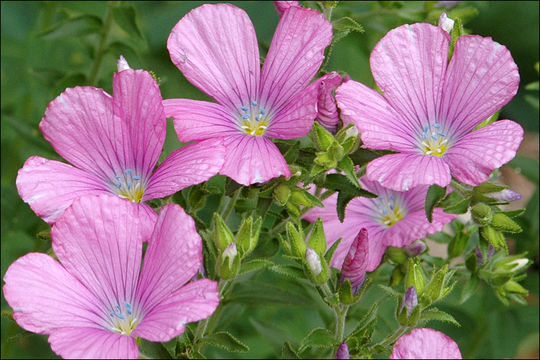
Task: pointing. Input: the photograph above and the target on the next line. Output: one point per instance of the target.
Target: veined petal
(137, 102)
(402, 172)
(49, 186)
(252, 159)
(477, 154)
(215, 47)
(90, 343)
(199, 120)
(295, 55)
(189, 165)
(425, 343)
(44, 296)
(482, 77)
(327, 114)
(282, 6)
(193, 302)
(173, 256)
(381, 127)
(409, 66)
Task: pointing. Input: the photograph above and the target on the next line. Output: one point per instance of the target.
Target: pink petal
(252, 159)
(409, 65)
(137, 101)
(90, 343)
(49, 186)
(199, 120)
(99, 241)
(295, 55)
(282, 6)
(356, 261)
(44, 296)
(381, 127)
(482, 77)
(189, 165)
(477, 154)
(173, 256)
(215, 47)
(193, 302)
(425, 343)
(326, 104)
(404, 171)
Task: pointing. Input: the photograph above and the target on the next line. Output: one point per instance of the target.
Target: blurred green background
(48, 46)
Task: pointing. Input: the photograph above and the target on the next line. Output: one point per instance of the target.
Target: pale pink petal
(90, 343)
(199, 120)
(99, 241)
(425, 343)
(252, 159)
(381, 127)
(282, 6)
(294, 57)
(173, 256)
(326, 104)
(44, 296)
(216, 49)
(477, 154)
(49, 186)
(482, 77)
(193, 302)
(409, 65)
(401, 172)
(189, 165)
(137, 102)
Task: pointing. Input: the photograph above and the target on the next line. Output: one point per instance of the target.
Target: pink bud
(343, 351)
(356, 262)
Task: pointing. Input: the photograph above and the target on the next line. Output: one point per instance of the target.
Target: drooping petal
(425, 343)
(215, 47)
(477, 154)
(482, 77)
(327, 114)
(295, 55)
(99, 241)
(90, 343)
(401, 172)
(252, 159)
(186, 166)
(199, 120)
(381, 127)
(193, 302)
(44, 296)
(282, 6)
(137, 102)
(409, 65)
(173, 256)
(49, 186)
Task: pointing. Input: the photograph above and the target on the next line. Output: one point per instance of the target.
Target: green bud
(317, 239)
(396, 254)
(345, 293)
(336, 151)
(512, 264)
(481, 214)
(248, 235)
(321, 137)
(514, 287)
(222, 234)
(296, 239)
(282, 193)
(298, 197)
(500, 278)
(293, 209)
(325, 160)
(415, 277)
(504, 223)
(494, 237)
(316, 267)
(415, 315)
(348, 138)
(396, 277)
(228, 263)
(434, 289)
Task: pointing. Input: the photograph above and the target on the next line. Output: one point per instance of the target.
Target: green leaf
(366, 320)
(469, 289)
(434, 196)
(318, 337)
(289, 270)
(513, 213)
(330, 252)
(342, 200)
(126, 17)
(257, 294)
(253, 265)
(287, 352)
(347, 166)
(153, 350)
(488, 121)
(73, 27)
(226, 341)
(439, 315)
(390, 291)
(460, 207)
(347, 24)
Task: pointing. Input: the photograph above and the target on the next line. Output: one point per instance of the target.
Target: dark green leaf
(366, 320)
(439, 315)
(458, 208)
(153, 350)
(289, 270)
(318, 337)
(225, 341)
(347, 24)
(434, 195)
(469, 289)
(390, 291)
(513, 213)
(73, 27)
(330, 252)
(346, 165)
(126, 17)
(342, 200)
(255, 264)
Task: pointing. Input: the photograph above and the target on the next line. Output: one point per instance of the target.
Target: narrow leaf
(439, 315)
(318, 337)
(253, 265)
(225, 341)
(434, 196)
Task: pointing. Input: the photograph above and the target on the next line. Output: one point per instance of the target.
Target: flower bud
(415, 277)
(317, 239)
(122, 64)
(228, 263)
(514, 287)
(446, 23)
(415, 249)
(409, 312)
(313, 261)
(322, 137)
(504, 223)
(480, 256)
(505, 195)
(248, 235)
(356, 261)
(343, 351)
(222, 234)
(481, 214)
(296, 240)
(282, 193)
(410, 300)
(437, 285)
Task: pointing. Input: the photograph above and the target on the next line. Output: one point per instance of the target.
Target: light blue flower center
(388, 210)
(123, 319)
(434, 140)
(254, 119)
(127, 185)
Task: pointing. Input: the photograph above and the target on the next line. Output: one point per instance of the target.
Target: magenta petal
(381, 127)
(216, 49)
(252, 159)
(282, 6)
(49, 186)
(173, 256)
(199, 120)
(90, 343)
(482, 77)
(477, 154)
(193, 302)
(137, 102)
(326, 104)
(404, 171)
(44, 296)
(186, 166)
(295, 55)
(425, 343)
(99, 241)
(356, 261)
(409, 65)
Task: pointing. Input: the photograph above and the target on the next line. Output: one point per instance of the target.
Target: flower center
(123, 319)
(254, 120)
(129, 186)
(389, 211)
(434, 140)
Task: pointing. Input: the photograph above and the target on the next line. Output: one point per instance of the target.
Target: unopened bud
(480, 255)
(343, 351)
(415, 249)
(518, 264)
(230, 252)
(122, 64)
(415, 277)
(410, 300)
(446, 23)
(356, 262)
(282, 193)
(313, 261)
(481, 214)
(504, 223)
(505, 195)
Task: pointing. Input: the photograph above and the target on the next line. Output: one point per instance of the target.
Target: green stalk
(100, 52)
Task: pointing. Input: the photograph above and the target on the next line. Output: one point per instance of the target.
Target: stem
(341, 315)
(100, 52)
(392, 338)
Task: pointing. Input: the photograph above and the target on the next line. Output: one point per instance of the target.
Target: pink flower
(96, 299)
(429, 109)
(282, 6)
(114, 144)
(216, 49)
(394, 218)
(326, 105)
(425, 343)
